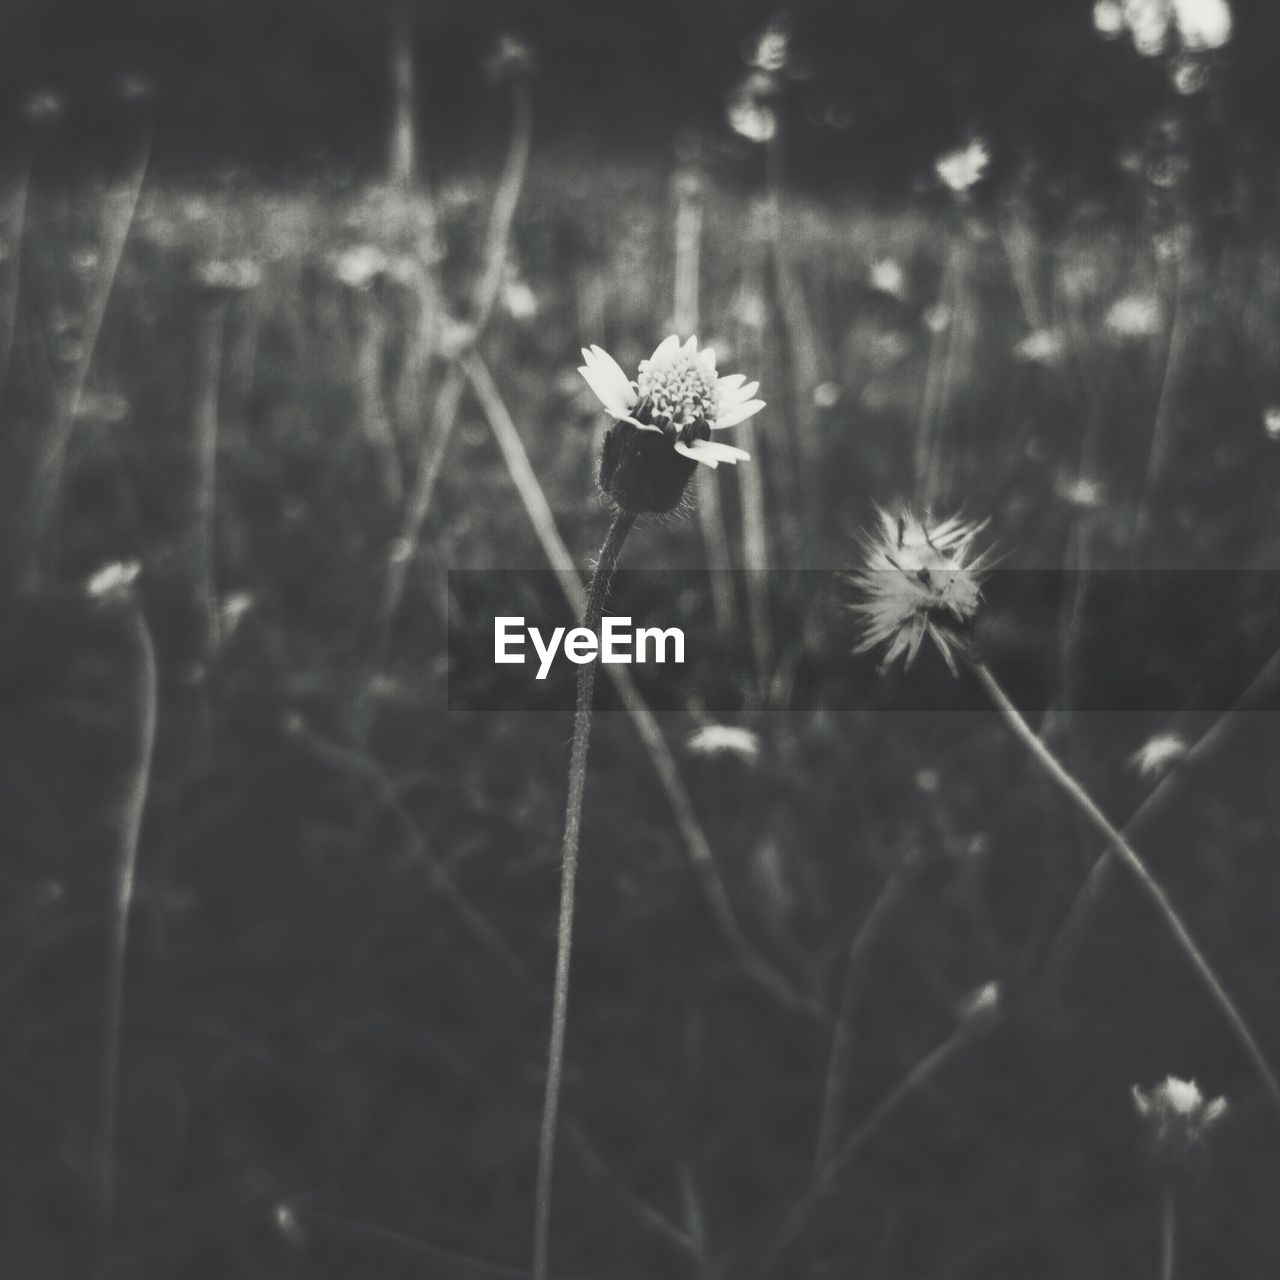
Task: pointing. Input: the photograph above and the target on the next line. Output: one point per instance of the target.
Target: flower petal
(739, 413)
(720, 452)
(667, 347)
(605, 377)
(695, 455)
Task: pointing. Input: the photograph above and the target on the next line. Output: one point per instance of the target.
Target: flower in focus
(920, 580)
(1177, 1117)
(1134, 316)
(725, 740)
(1158, 754)
(963, 169)
(664, 419)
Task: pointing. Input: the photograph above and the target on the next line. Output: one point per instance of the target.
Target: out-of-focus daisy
(1041, 346)
(1271, 421)
(980, 1004)
(771, 50)
(113, 581)
(887, 276)
(826, 395)
(1136, 315)
(227, 275)
(511, 59)
(44, 106)
(920, 580)
(518, 300)
(1158, 754)
(937, 318)
(231, 612)
(725, 740)
(361, 266)
(666, 413)
(1082, 492)
(750, 109)
(1108, 18)
(1177, 1116)
(1203, 24)
(962, 169)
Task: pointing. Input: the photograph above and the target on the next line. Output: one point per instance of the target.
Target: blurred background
(291, 302)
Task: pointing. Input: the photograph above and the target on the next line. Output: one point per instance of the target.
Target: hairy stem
(1167, 1216)
(596, 593)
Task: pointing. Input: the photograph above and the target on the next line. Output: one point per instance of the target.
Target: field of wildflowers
(975, 978)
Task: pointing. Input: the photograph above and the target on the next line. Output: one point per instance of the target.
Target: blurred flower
(105, 408)
(963, 169)
(1041, 346)
(1134, 316)
(750, 309)
(518, 299)
(134, 88)
(772, 49)
(511, 59)
(1158, 754)
(44, 106)
(1081, 492)
(920, 580)
(84, 260)
(981, 1004)
(231, 612)
(673, 406)
(750, 109)
(1108, 18)
(1271, 421)
(725, 739)
(360, 266)
(1177, 1118)
(887, 276)
(227, 275)
(937, 318)
(1203, 24)
(826, 395)
(113, 581)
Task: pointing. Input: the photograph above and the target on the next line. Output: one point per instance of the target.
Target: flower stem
(1167, 1213)
(1129, 856)
(596, 593)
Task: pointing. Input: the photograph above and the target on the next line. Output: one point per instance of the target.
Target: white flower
(919, 581)
(1108, 18)
(750, 109)
(962, 169)
(518, 300)
(361, 266)
(1203, 24)
(1177, 1117)
(1041, 346)
(887, 276)
(113, 580)
(725, 739)
(228, 275)
(981, 1003)
(772, 49)
(676, 391)
(1271, 421)
(1158, 754)
(1081, 492)
(1134, 316)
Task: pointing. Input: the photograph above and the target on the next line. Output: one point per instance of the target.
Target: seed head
(1177, 1118)
(920, 580)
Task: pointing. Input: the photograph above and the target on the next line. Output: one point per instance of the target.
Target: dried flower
(920, 580)
(664, 420)
(725, 740)
(1158, 754)
(1177, 1118)
(960, 170)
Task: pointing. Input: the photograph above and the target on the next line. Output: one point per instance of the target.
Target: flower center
(680, 387)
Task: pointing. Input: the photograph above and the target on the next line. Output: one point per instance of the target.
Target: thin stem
(664, 764)
(1168, 1204)
(802, 1212)
(842, 1038)
(1077, 794)
(130, 831)
(596, 593)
